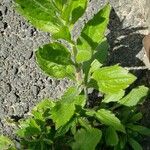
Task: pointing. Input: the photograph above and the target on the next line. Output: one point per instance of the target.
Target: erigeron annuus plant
(69, 123)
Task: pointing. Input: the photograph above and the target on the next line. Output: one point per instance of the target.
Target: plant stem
(86, 94)
(78, 67)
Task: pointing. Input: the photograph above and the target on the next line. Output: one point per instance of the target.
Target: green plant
(70, 123)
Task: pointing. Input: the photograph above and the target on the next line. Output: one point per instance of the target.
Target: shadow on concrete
(125, 43)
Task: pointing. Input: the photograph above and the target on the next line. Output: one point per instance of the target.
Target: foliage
(6, 143)
(69, 123)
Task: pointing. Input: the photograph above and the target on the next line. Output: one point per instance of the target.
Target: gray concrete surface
(22, 84)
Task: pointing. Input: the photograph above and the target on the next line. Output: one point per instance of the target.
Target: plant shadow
(125, 43)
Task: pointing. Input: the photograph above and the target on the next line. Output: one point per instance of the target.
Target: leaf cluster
(69, 124)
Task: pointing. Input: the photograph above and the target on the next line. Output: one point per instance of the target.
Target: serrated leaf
(42, 111)
(135, 96)
(64, 110)
(6, 143)
(111, 136)
(114, 97)
(134, 144)
(109, 119)
(112, 79)
(42, 14)
(55, 60)
(94, 30)
(140, 129)
(86, 139)
(43, 105)
(73, 10)
(62, 113)
(28, 128)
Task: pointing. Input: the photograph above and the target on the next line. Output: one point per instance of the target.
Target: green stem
(86, 93)
(78, 67)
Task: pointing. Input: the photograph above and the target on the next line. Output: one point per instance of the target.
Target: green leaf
(140, 129)
(44, 105)
(28, 128)
(65, 128)
(80, 100)
(84, 123)
(94, 30)
(70, 94)
(112, 79)
(99, 56)
(108, 118)
(86, 139)
(84, 50)
(47, 141)
(91, 36)
(136, 117)
(90, 112)
(134, 144)
(6, 143)
(111, 136)
(114, 97)
(62, 113)
(73, 10)
(42, 111)
(101, 52)
(95, 65)
(41, 13)
(55, 60)
(64, 109)
(122, 141)
(60, 3)
(63, 33)
(135, 96)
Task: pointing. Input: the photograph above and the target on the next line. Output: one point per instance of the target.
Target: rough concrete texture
(22, 84)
